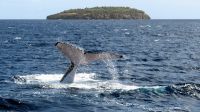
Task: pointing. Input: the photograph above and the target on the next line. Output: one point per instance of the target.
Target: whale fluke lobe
(70, 51)
(101, 56)
(56, 43)
(78, 56)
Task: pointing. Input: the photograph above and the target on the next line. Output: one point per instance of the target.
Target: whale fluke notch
(78, 56)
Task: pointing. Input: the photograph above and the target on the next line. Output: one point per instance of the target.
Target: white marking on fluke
(78, 57)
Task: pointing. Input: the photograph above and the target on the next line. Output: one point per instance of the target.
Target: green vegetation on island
(101, 13)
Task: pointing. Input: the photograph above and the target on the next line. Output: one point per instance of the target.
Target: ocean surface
(160, 71)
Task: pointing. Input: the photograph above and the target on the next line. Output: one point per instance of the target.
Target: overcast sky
(157, 9)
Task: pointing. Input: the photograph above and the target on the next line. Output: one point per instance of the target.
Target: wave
(152, 92)
(185, 89)
(18, 38)
(14, 104)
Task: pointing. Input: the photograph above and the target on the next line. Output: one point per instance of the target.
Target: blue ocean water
(160, 71)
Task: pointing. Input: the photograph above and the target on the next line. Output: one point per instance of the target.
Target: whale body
(78, 57)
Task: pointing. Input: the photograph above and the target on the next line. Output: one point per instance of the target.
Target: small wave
(158, 35)
(145, 26)
(11, 27)
(192, 90)
(124, 29)
(116, 30)
(41, 44)
(180, 90)
(127, 33)
(8, 104)
(189, 90)
(18, 38)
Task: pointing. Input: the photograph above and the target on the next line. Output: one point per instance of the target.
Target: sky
(157, 9)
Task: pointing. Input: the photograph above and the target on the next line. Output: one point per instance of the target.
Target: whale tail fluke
(78, 57)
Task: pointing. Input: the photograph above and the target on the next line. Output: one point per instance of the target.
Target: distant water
(160, 71)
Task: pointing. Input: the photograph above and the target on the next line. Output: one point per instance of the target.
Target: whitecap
(127, 33)
(10, 27)
(116, 30)
(149, 26)
(6, 41)
(145, 26)
(18, 38)
(124, 29)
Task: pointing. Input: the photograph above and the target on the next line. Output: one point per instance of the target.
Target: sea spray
(59, 39)
(112, 69)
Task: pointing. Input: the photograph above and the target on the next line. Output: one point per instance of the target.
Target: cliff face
(101, 13)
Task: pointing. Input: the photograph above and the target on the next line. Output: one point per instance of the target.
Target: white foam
(82, 81)
(145, 26)
(124, 29)
(127, 33)
(18, 38)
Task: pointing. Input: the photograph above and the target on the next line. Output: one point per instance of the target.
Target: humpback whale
(78, 56)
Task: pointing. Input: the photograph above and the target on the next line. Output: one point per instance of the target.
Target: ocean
(160, 71)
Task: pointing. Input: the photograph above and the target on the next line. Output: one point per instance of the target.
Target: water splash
(82, 81)
(112, 69)
(59, 39)
(18, 38)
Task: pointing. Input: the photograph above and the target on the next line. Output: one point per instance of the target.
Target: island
(101, 13)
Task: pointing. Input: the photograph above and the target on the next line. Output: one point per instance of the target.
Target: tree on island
(101, 13)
